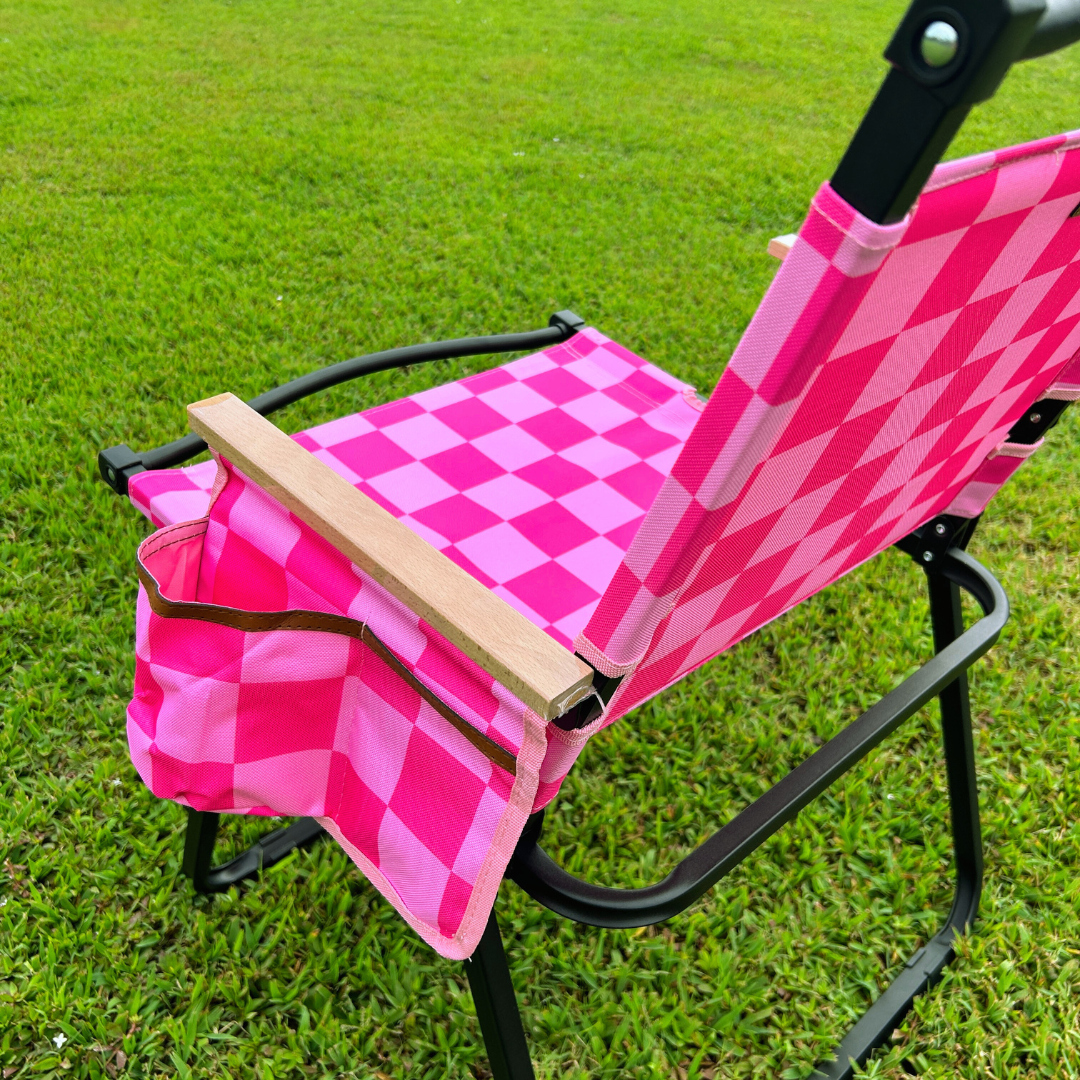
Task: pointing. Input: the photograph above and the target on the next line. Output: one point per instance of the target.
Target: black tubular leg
(924, 969)
(202, 827)
(947, 617)
(496, 1007)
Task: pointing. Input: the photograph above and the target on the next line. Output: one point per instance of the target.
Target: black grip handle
(1059, 26)
(944, 58)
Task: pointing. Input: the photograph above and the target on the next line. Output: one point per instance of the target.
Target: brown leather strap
(258, 621)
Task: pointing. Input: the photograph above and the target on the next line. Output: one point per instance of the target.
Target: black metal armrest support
(597, 905)
(948, 569)
(119, 463)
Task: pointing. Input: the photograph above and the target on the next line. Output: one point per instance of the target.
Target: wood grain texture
(779, 246)
(537, 669)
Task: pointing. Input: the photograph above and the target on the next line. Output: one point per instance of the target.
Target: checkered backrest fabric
(881, 373)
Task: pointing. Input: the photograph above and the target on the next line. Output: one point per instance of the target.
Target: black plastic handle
(119, 463)
(921, 105)
(1059, 27)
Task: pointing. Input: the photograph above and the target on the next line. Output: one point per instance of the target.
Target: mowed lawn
(209, 195)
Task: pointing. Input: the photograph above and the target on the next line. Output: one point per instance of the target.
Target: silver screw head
(940, 529)
(940, 43)
(1035, 417)
(927, 556)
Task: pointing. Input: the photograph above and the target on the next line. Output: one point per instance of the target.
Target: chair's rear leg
(946, 615)
(925, 967)
(496, 1007)
(202, 827)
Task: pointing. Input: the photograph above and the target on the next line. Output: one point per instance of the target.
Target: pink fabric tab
(1059, 392)
(1066, 387)
(1015, 450)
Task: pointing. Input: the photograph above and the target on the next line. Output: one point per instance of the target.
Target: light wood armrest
(779, 246)
(537, 669)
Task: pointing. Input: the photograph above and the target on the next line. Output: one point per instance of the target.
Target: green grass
(221, 194)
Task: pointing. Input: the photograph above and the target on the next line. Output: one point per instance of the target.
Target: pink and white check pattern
(873, 390)
(534, 476)
(884, 366)
(312, 723)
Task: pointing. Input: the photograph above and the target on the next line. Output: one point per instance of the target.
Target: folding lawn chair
(402, 626)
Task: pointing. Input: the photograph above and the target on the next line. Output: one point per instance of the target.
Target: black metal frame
(944, 676)
(956, 649)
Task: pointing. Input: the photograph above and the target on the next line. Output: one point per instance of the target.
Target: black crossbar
(202, 829)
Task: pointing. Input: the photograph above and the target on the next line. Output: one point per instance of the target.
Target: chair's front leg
(496, 1007)
(199, 837)
(947, 618)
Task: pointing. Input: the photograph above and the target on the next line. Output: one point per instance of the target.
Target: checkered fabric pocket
(285, 702)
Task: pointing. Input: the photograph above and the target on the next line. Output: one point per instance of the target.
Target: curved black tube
(118, 463)
(182, 449)
(1058, 27)
(598, 905)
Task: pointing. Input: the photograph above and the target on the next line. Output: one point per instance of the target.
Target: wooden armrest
(537, 669)
(779, 246)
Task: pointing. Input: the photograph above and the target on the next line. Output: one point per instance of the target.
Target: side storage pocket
(236, 711)
(420, 767)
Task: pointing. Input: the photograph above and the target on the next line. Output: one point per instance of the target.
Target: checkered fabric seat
(534, 476)
(874, 390)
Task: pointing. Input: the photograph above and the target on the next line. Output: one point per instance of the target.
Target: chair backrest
(884, 368)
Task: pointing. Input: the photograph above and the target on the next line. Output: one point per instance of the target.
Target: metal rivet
(927, 556)
(939, 45)
(940, 529)
(1035, 417)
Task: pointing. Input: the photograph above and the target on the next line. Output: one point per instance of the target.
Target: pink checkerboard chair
(402, 626)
